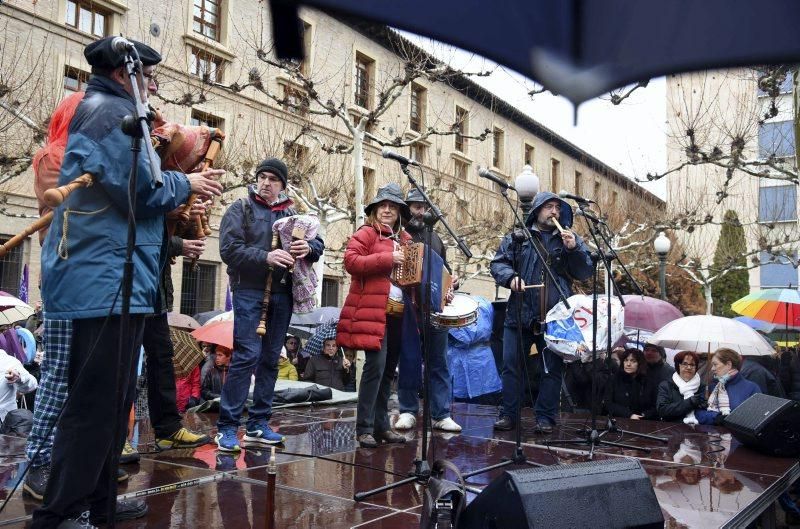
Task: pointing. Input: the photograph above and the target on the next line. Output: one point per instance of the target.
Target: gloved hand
(698, 402)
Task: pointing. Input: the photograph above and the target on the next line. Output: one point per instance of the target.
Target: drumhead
(462, 304)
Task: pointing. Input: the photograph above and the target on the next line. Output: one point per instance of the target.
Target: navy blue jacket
(83, 254)
(567, 265)
(739, 390)
(245, 236)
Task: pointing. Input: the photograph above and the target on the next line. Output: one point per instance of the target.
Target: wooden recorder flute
(261, 330)
(559, 226)
(53, 198)
(202, 228)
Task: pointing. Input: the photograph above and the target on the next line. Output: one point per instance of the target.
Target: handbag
(443, 501)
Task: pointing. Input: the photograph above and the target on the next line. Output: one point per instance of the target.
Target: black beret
(101, 54)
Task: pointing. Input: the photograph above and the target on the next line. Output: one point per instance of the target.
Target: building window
(416, 118)
(330, 292)
(555, 175)
(304, 66)
(578, 183)
(365, 68)
(295, 101)
(614, 198)
(88, 18)
(11, 268)
(297, 161)
(369, 182)
(786, 86)
(206, 66)
(419, 152)
(776, 139)
(597, 192)
(461, 170)
(74, 80)
(207, 17)
(777, 271)
(461, 126)
(204, 119)
(528, 157)
(777, 203)
(198, 287)
(499, 140)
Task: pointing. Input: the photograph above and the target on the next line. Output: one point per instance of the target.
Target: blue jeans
(547, 401)
(440, 388)
(254, 353)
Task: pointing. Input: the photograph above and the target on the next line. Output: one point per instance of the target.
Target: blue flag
(23, 284)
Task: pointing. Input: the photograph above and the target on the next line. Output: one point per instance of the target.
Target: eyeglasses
(684, 364)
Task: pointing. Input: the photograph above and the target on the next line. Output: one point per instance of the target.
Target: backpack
(443, 501)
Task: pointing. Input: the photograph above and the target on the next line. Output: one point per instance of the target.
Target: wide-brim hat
(414, 196)
(390, 193)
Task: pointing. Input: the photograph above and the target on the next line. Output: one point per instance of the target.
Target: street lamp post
(662, 245)
(527, 185)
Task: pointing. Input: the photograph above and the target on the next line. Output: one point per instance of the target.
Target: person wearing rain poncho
(569, 260)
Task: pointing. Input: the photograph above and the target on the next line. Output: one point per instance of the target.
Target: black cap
(276, 167)
(101, 54)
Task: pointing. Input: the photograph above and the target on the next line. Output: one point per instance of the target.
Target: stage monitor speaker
(613, 494)
(767, 424)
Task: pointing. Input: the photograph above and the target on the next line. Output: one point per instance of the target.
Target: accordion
(412, 273)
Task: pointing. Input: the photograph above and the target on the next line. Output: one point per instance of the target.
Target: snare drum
(462, 311)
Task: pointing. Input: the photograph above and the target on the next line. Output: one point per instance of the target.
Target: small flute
(558, 225)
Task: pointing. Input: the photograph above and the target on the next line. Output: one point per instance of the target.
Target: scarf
(719, 400)
(687, 389)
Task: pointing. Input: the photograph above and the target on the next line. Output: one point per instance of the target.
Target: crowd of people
(81, 413)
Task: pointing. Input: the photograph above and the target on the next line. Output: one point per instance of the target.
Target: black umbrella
(583, 48)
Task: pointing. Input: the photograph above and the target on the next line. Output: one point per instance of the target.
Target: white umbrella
(225, 316)
(708, 333)
(13, 309)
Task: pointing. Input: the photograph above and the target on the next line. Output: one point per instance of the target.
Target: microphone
(487, 174)
(121, 45)
(576, 198)
(391, 155)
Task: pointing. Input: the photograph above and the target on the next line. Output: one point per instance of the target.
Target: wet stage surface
(701, 476)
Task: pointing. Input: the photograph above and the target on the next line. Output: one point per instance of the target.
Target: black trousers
(161, 398)
(86, 431)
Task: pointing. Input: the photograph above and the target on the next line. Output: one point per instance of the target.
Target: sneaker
(365, 440)
(447, 424)
(36, 482)
(122, 476)
(129, 454)
(226, 440)
(405, 421)
(81, 522)
(504, 423)
(543, 428)
(183, 438)
(261, 434)
(126, 510)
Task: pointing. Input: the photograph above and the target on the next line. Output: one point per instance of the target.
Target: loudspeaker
(767, 424)
(612, 494)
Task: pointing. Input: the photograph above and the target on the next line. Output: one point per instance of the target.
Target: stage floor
(701, 477)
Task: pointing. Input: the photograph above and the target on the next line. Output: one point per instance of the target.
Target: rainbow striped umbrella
(780, 306)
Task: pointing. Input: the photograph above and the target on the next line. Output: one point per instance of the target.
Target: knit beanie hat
(274, 166)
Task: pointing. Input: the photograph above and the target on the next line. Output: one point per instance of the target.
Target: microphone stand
(422, 470)
(135, 126)
(593, 436)
(519, 237)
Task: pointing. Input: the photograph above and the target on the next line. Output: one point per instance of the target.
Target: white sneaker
(447, 425)
(405, 421)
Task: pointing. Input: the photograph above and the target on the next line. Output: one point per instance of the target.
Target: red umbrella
(218, 332)
(648, 314)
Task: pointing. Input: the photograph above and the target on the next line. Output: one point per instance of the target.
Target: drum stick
(526, 287)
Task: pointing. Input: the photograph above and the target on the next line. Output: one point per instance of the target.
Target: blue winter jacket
(245, 236)
(567, 265)
(84, 251)
(739, 390)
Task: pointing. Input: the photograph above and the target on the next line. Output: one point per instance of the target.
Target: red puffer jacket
(368, 260)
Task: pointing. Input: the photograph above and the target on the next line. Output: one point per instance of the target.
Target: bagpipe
(184, 148)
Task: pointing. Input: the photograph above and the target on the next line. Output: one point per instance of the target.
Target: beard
(415, 225)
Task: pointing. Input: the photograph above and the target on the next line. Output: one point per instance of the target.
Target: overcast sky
(629, 137)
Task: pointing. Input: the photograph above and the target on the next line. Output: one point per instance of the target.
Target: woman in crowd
(371, 254)
(729, 388)
(627, 392)
(684, 393)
